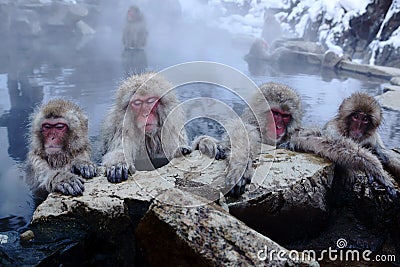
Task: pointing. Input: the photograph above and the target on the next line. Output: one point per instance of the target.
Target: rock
(65, 14)
(299, 45)
(27, 236)
(106, 211)
(388, 88)
(390, 99)
(191, 233)
(289, 196)
(395, 80)
(288, 56)
(25, 23)
(84, 29)
(369, 70)
(331, 59)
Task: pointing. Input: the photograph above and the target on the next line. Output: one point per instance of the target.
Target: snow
(335, 15)
(377, 45)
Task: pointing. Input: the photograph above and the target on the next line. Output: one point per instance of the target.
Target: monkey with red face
(358, 118)
(59, 149)
(145, 125)
(135, 30)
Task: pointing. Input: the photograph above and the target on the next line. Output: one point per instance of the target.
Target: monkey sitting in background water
(59, 150)
(135, 31)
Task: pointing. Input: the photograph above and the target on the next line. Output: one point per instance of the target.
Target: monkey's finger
(111, 174)
(125, 172)
(60, 188)
(68, 189)
(220, 154)
(185, 150)
(75, 170)
(119, 172)
(78, 188)
(93, 171)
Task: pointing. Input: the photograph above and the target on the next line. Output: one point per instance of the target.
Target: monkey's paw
(119, 172)
(68, 184)
(86, 169)
(287, 145)
(386, 182)
(185, 150)
(209, 146)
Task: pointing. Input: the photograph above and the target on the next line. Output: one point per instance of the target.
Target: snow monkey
(281, 120)
(282, 126)
(135, 30)
(358, 118)
(144, 125)
(59, 149)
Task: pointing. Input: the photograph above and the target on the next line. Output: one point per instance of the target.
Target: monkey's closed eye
(137, 102)
(151, 100)
(46, 126)
(60, 126)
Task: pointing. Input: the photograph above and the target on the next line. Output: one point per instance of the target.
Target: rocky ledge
(176, 215)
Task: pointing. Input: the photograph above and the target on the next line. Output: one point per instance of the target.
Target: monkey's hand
(67, 184)
(119, 172)
(386, 181)
(209, 146)
(84, 168)
(287, 145)
(238, 175)
(181, 151)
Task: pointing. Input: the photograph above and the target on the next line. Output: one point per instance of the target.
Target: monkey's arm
(241, 146)
(390, 160)
(183, 147)
(345, 152)
(82, 165)
(117, 169)
(47, 179)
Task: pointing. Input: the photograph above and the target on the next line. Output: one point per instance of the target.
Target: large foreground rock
(289, 198)
(191, 233)
(110, 212)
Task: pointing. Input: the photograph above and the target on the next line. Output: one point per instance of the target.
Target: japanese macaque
(271, 28)
(273, 125)
(280, 124)
(144, 125)
(358, 118)
(135, 30)
(258, 51)
(59, 149)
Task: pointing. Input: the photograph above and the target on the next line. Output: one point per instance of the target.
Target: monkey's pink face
(144, 109)
(277, 122)
(133, 14)
(54, 133)
(360, 122)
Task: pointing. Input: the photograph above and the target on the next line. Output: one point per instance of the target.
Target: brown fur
(372, 141)
(362, 103)
(44, 168)
(124, 143)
